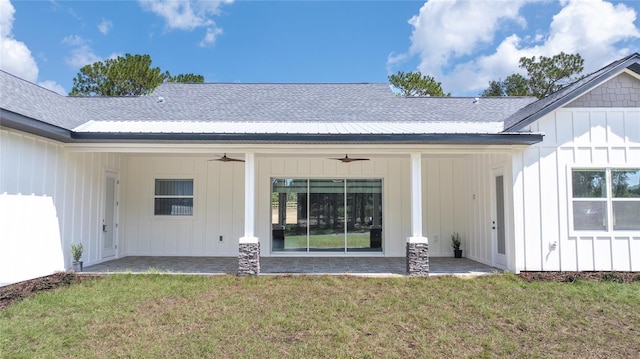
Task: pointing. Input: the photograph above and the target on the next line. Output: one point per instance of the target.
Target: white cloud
(459, 32)
(15, 56)
(210, 37)
(81, 54)
(16, 59)
(105, 26)
(188, 15)
(53, 86)
(446, 29)
(6, 18)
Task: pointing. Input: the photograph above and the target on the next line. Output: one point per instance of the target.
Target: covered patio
(382, 266)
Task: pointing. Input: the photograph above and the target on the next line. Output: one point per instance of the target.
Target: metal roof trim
(502, 138)
(23, 123)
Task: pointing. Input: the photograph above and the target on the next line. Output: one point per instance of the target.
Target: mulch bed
(570, 277)
(21, 290)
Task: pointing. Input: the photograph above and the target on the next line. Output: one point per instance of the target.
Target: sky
(461, 43)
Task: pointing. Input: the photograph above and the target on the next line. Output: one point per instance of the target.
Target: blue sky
(462, 43)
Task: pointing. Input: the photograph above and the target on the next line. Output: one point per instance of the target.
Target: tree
(496, 88)
(131, 75)
(187, 79)
(550, 74)
(544, 76)
(513, 85)
(413, 84)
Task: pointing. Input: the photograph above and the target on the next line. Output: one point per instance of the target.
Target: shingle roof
(295, 103)
(536, 110)
(30, 100)
(333, 109)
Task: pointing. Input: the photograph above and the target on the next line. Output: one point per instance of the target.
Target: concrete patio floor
(372, 266)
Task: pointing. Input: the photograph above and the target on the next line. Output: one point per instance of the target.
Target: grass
(354, 240)
(156, 315)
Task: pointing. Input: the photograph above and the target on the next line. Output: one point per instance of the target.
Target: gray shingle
(30, 100)
(295, 103)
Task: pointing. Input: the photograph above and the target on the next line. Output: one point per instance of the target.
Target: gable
(620, 91)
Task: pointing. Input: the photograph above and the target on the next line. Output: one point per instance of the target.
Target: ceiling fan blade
(227, 159)
(347, 159)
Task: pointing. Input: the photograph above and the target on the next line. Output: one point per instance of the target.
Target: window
(625, 188)
(326, 215)
(605, 199)
(173, 197)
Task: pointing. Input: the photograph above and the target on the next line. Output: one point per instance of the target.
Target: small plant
(455, 244)
(455, 241)
(76, 251)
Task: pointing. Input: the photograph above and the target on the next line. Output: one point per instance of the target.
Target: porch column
(249, 251)
(417, 244)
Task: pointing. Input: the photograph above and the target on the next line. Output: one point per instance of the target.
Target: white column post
(417, 244)
(416, 200)
(249, 245)
(249, 199)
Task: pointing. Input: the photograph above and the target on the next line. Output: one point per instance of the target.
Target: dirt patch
(570, 277)
(21, 290)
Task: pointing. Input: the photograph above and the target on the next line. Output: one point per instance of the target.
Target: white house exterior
(135, 176)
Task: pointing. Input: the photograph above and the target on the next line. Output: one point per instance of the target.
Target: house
(255, 170)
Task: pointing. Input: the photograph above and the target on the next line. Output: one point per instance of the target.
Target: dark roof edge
(488, 139)
(597, 80)
(23, 123)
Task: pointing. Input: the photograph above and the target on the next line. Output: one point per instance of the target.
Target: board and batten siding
(74, 181)
(219, 202)
(574, 137)
(444, 204)
(218, 214)
(478, 208)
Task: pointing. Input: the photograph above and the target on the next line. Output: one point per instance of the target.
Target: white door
(497, 225)
(109, 222)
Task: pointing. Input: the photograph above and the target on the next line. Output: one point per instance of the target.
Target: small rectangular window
(625, 188)
(589, 200)
(173, 197)
(589, 184)
(606, 199)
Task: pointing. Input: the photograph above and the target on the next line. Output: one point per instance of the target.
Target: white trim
(317, 150)
(414, 240)
(416, 195)
(249, 240)
(249, 195)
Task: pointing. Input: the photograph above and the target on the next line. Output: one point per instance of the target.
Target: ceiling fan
(227, 159)
(347, 159)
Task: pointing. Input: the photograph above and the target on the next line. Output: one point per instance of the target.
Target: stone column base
(249, 259)
(417, 258)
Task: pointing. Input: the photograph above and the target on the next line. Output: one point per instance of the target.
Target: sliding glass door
(326, 215)
(364, 215)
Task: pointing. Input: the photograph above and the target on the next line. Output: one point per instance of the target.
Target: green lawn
(354, 240)
(156, 315)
